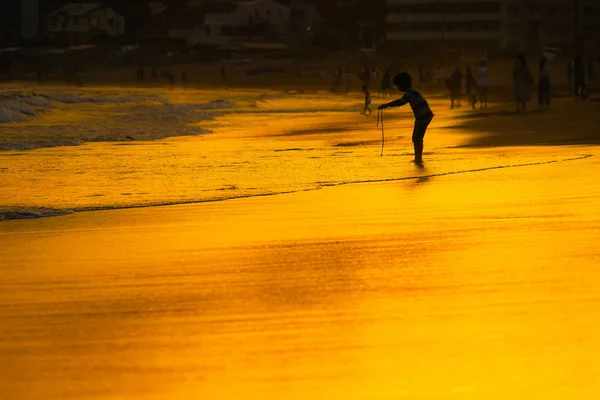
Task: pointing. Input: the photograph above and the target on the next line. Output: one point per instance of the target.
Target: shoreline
(31, 213)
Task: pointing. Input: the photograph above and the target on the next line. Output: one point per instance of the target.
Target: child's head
(364, 88)
(403, 81)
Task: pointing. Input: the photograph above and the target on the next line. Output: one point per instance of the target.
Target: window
(111, 22)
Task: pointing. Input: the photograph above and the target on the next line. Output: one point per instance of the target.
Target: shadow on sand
(565, 123)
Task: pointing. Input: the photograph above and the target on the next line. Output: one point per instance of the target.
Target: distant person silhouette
(366, 76)
(452, 87)
(543, 84)
(420, 107)
(367, 101)
(170, 77)
(471, 85)
(483, 75)
(522, 80)
(439, 75)
(579, 89)
(386, 83)
(457, 76)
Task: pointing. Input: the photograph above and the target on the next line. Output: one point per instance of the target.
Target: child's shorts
(420, 129)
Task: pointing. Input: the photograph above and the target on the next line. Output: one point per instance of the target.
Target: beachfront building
(431, 24)
(81, 22)
(487, 24)
(227, 21)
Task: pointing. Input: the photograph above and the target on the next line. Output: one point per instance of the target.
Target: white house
(85, 20)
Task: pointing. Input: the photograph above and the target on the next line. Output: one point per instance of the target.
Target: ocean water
(66, 150)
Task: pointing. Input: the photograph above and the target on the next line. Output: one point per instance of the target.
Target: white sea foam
(8, 114)
(133, 117)
(37, 101)
(19, 106)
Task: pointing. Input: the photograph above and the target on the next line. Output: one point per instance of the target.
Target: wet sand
(479, 285)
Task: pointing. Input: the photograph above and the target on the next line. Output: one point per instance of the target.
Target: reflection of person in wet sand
(420, 108)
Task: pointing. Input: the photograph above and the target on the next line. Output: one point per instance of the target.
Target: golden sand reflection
(446, 291)
(473, 277)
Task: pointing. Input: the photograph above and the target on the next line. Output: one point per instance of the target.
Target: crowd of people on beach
(476, 88)
(474, 84)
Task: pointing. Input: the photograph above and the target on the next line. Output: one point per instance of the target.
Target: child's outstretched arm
(396, 103)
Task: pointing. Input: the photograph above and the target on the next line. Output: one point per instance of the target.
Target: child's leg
(418, 134)
(418, 147)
